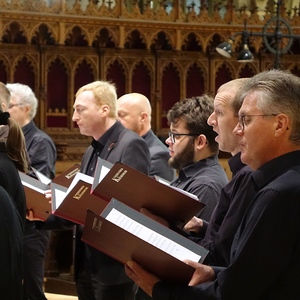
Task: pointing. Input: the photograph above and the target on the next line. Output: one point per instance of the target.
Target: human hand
(141, 277)
(48, 195)
(30, 216)
(195, 224)
(154, 217)
(202, 273)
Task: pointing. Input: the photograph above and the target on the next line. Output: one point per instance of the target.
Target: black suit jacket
(127, 147)
(159, 154)
(11, 182)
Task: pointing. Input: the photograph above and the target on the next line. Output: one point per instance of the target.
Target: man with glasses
(194, 152)
(41, 151)
(265, 253)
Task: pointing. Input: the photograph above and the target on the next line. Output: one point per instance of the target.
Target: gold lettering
(119, 175)
(97, 224)
(72, 173)
(80, 192)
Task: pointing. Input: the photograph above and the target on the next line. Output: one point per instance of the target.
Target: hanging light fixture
(245, 55)
(225, 48)
(274, 31)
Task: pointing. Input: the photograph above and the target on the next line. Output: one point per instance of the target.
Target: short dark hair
(194, 112)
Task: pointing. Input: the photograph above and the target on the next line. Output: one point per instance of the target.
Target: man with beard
(194, 152)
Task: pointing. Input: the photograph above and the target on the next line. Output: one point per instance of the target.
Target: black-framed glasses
(173, 136)
(13, 105)
(245, 119)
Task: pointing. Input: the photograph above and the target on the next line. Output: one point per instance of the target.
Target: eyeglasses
(244, 120)
(13, 105)
(173, 136)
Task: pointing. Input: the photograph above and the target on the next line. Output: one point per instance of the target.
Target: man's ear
(200, 141)
(282, 124)
(26, 108)
(3, 106)
(143, 116)
(105, 109)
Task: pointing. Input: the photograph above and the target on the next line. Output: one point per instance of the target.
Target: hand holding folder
(138, 190)
(73, 202)
(125, 234)
(36, 200)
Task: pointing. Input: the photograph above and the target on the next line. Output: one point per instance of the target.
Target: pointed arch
(247, 70)
(224, 73)
(104, 38)
(141, 80)
(170, 88)
(4, 69)
(195, 75)
(135, 39)
(25, 70)
(76, 36)
(117, 72)
(192, 42)
(162, 40)
(14, 33)
(43, 34)
(85, 71)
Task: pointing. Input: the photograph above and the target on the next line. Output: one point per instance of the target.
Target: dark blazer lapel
(111, 142)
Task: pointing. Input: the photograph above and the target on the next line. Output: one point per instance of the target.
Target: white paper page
(165, 182)
(33, 187)
(103, 172)
(184, 192)
(41, 177)
(80, 176)
(151, 236)
(59, 196)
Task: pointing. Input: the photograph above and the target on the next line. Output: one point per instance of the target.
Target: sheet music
(151, 236)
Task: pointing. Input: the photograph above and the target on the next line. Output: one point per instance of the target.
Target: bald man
(134, 112)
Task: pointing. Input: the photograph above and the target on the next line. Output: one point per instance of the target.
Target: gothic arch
(6, 64)
(78, 61)
(121, 61)
(199, 64)
(62, 59)
(198, 37)
(148, 64)
(111, 34)
(221, 67)
(30, 59)
(168, 38)
(211, 39)
(65, 63)
(69, 33)
(51, 30)
(176, 64)
(129, 35)
(228, 64)
(7, 28)
(252, 67)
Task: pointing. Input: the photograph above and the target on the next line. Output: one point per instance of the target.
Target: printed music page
(150, 236)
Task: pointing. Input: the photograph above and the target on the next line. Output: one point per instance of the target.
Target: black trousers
(35, 245)
(86, 290)
(141, 295)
